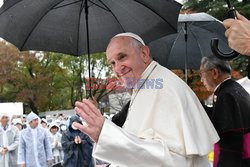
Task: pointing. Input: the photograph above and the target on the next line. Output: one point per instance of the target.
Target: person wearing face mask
(77, 147)
(63, 128)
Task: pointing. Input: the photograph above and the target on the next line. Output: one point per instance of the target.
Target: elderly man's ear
(146, 54)
(216, 73)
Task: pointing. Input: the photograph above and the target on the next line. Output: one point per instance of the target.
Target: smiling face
(128, 58)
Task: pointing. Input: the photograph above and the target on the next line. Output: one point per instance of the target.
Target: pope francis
(166, 125)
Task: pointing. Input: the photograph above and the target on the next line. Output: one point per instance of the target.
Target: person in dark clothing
(120, 118)
(77, 147)
(208, 109)
(230, 115)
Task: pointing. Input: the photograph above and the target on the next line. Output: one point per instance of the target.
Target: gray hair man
(214, 71)
(230, 115)
(9, 136)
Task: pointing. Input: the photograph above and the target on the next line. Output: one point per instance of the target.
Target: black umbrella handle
(215, 42)
(223, 56)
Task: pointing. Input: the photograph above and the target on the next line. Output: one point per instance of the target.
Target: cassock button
(214, 98)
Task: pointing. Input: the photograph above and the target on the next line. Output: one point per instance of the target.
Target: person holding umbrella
(238, 34)
(166, 125)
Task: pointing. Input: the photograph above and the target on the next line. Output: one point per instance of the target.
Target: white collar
(221, 83)
(146, 73)
(6, 126)
(7, 129)
(148, 70)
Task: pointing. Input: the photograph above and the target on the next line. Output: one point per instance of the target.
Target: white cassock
(166, 126)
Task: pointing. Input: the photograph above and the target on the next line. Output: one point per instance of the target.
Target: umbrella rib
(179, 34)
(99, 5)
(156, 13)
(202, 55)
(78, 31)
(75, 3)
(21, 48)
(206, 25)
(112, 15)
(66, 4)
(10, 6)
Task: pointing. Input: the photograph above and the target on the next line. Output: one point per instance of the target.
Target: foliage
(217, 8)
(47, 81)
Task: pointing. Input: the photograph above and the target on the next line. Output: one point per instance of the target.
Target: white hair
(4, 115)
(211, 62)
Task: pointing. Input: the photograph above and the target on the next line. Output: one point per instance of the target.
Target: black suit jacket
(231, 119)
(120, 118)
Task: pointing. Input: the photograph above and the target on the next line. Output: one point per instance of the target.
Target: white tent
(11, 109)
(245, 83)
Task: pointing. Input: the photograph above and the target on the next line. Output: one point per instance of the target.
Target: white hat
(4, 114)
(53, 124)
(31, 117)
(132, 35)
(44, 120)
(17, 121)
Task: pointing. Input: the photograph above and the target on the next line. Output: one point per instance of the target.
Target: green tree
(218, 9)
(49, 81)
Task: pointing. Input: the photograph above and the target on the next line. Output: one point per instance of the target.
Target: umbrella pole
(186, 38)
(88, 48)
(248, 68)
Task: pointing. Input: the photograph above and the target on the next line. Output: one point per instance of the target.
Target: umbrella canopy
(62, 25)
(185, 49)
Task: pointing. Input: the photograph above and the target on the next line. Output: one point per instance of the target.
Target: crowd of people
(34, 142)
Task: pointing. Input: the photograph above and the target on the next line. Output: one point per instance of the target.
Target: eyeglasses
(202, 72)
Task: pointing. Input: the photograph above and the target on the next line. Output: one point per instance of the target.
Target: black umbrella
(72, 26)
(185, 49)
